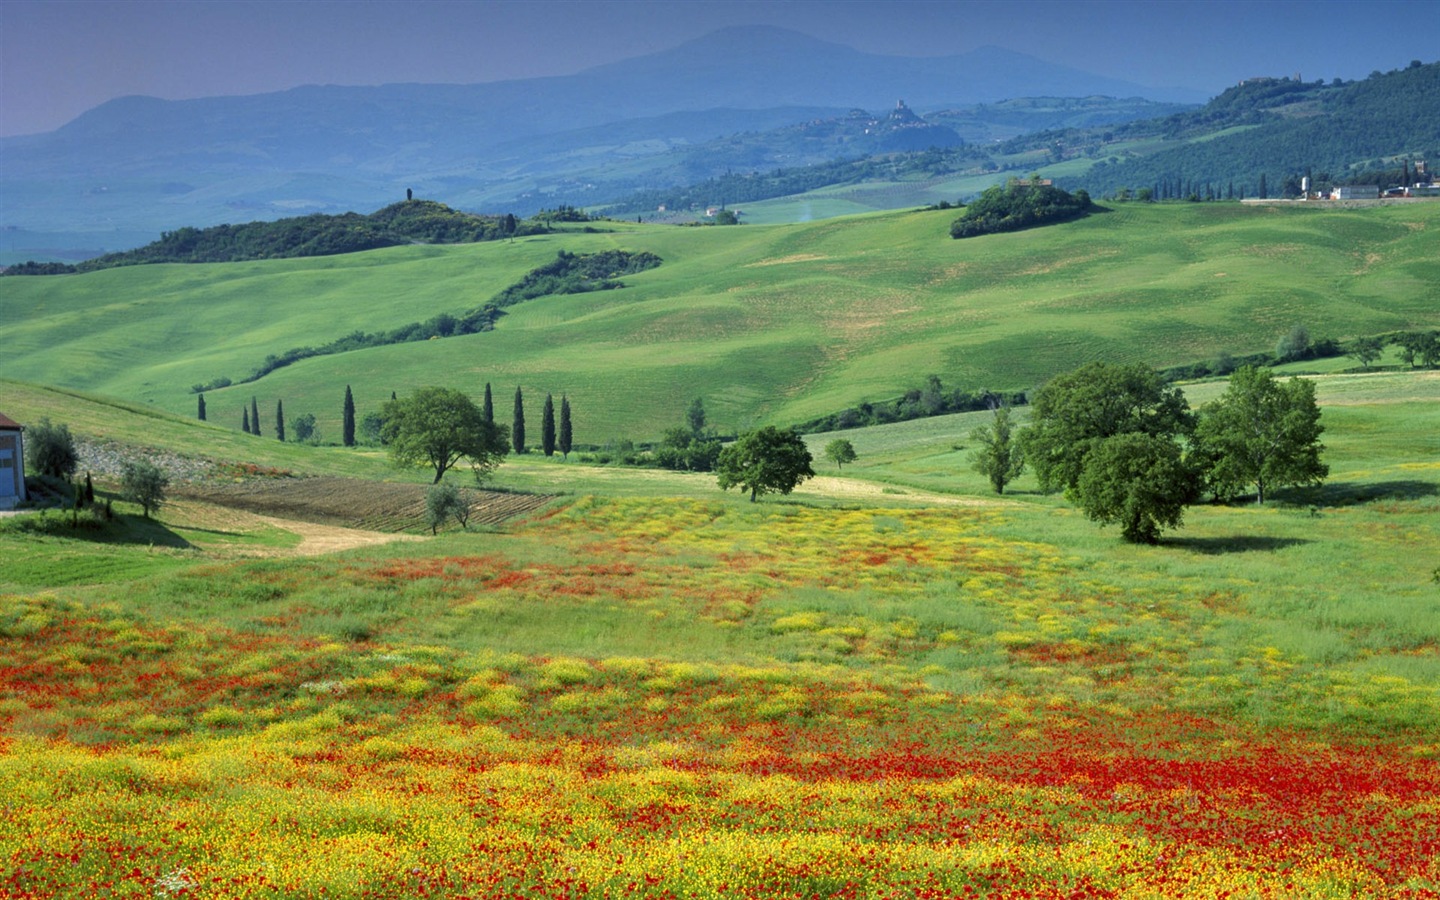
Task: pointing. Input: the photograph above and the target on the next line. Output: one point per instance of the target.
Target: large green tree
(1261, 432)
(1076, 411)
(999, 457)
(765, 461)
(438, 427)
(1139, 481)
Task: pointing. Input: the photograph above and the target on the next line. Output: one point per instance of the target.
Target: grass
(652, 686)
(767, 323)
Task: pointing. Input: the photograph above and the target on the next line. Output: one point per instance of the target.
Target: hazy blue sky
(59, 58)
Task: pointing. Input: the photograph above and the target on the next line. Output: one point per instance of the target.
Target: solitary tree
(142, 482)
(280, 420)
(565, 435)
(438, 427)
(840, 451)
(765, 461)
(444, 500)
(254, 417)
(489, 408)
(998, 457)
(1261, 432)
(51, 449)
(1139, 481)
(547, 426)
(347, 426)
(517, 429)
(200, 411)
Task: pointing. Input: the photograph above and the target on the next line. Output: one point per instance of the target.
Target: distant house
(12, 462)
(1355, 192)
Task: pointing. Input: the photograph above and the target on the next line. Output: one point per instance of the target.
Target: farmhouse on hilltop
(12, 462)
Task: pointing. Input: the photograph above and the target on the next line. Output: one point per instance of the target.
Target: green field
(769, 323)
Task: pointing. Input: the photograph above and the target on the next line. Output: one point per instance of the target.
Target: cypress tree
(547, 426)
(201, 410)
(89, 489)
(1263, 191)
(564, 426)
(254, 417)
(347, 428)
(280, 420)
(517, 429)
(489, 408)
(245, 419)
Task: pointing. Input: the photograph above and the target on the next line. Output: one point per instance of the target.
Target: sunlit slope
(767, 323)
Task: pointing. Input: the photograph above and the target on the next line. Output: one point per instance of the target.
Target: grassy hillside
(767, 323)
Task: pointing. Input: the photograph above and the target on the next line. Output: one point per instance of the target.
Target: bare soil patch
(353, 503)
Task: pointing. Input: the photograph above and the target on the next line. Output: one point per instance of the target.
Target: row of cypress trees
(552, 438)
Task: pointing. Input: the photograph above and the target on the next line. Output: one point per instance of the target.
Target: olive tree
(142, 482)
(51, 449)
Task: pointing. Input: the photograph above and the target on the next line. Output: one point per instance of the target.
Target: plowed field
(354, 503)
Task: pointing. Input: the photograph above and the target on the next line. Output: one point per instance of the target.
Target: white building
(12, 462)
(1355, 192)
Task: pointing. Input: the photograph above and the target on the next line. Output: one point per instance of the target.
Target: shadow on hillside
(1351, 493)
(1242, 543)
(86, 526)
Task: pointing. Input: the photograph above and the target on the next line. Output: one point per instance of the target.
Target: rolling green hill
(767, 323)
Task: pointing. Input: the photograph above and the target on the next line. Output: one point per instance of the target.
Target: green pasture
(1319, 609)
(769, 323)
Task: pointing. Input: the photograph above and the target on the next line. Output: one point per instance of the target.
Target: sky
(59, 58)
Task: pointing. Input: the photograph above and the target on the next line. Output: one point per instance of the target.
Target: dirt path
(319, 539)
(835, 486)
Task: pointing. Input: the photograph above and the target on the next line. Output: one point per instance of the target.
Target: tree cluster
(1017, 206)
(933, 399)
(1127, 449)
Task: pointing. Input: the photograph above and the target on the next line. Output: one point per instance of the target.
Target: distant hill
(408, 222)
(139, 163)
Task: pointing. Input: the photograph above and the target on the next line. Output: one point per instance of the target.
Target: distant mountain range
(137, 165)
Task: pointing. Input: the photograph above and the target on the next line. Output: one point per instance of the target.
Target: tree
(443, 501)
(142, 482)
(1293, 345)
(1261, 432)
(547, 426)
(999, 457)
(280, 420)
(254, 417)
(1365, 350)
(438, 427)
(695, 416)
(304, 427)
(51, 449)
(347, 426)
(1138, 480)
(372, 428)
(1076, 410)
(565, 435)
(200, 411)
(517, 430)
(765, 461)
(489, 408)
(840, 451)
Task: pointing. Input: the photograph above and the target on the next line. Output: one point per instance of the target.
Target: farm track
(354, 503)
